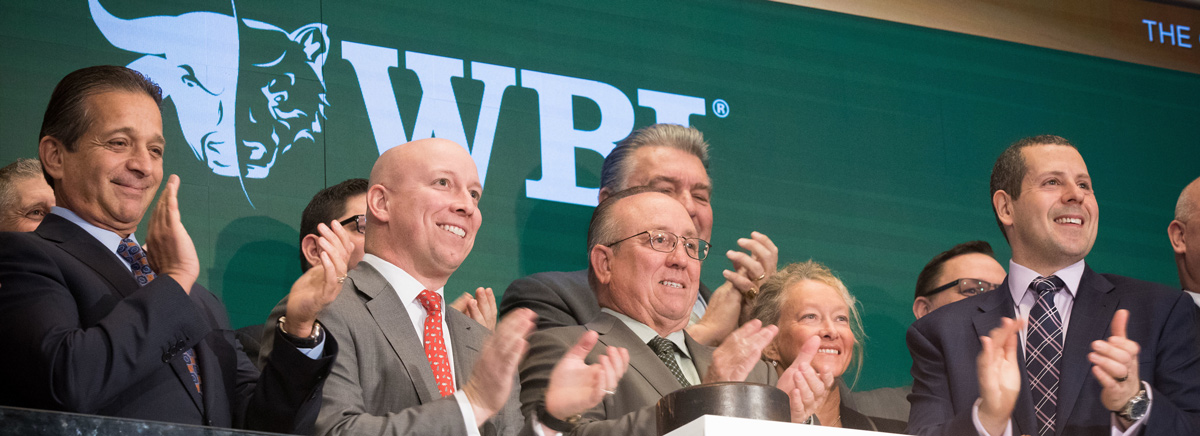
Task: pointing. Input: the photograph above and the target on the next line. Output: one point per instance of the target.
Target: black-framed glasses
(664, 241)
(360, 223)
(965, 287)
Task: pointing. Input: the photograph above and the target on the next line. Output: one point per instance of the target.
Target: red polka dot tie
(435, 346)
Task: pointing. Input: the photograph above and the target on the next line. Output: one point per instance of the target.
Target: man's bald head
(1184, 233)
(422, 208)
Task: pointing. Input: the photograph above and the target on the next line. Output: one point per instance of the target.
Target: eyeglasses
(965, 287)
(664, 241)
(360, 223)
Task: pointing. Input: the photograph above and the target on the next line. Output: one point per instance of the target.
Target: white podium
(712, 425)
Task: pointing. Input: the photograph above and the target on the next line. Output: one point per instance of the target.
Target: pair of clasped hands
(1114, 365)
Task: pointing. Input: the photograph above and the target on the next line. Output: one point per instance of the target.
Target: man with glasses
(963, 271)
(671, 159)
(960, 272)
(644, 266)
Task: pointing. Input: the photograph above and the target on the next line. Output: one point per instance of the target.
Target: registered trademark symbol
(720, 108)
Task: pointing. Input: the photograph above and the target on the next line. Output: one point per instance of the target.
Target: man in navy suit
(1060, 348)
(91, 324)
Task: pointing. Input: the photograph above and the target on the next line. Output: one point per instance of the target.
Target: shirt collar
(645, 333)
(1019, 278)
(407, 287)
(107, 238)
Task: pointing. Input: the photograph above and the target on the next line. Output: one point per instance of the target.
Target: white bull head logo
(196, 57)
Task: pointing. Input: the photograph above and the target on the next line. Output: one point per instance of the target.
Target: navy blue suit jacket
(1164, 322)
(80, 335)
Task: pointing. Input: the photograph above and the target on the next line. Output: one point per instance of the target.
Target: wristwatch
(1136, 408)
(559, 425)
(310, 342)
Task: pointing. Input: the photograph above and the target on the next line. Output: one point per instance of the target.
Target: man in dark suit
(672, 159)
(94, 326)
(411, 366)
(645, 267)
(1102, 354)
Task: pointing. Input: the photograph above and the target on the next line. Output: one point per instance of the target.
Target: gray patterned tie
(666, 352)
(1043, 349)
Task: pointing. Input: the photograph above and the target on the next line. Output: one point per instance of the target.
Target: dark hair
(934, 268)
(1009, 170)
(68, 114)
(327, 205)
(602, 228)
(615, 171)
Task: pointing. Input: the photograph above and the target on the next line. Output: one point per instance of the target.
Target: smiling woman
(806, 300)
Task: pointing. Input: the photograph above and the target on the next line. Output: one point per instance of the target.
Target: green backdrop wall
(864, 144)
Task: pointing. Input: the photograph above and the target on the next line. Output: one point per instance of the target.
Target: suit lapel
(80, 244)
(465, 342)
(642, 359)
(701, 355)
(1090, 317)
(994, 306)
(389, 314)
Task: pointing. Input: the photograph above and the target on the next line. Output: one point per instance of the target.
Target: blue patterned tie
(1043, 350)
(132, 253)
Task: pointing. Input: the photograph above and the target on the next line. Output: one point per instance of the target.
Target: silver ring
(608, 392)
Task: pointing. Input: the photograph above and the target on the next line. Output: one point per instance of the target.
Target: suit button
(166, 357)
(208, 422)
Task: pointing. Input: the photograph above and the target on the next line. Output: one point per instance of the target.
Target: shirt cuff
(1137, 425)
(541, 430)
(979, 425)
(468, 413)
(316, 352)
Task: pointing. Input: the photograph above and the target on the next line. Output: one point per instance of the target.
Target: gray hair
(614, 175)
(1185, 209)
(773, 293)
(603, 228)
(15, 172)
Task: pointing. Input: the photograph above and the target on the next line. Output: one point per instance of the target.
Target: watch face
(1139, 407)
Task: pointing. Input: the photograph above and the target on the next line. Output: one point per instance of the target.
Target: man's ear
(50, 153)
(310, 249)
(601, 259)
(377, 203)
(921, 307)
(1002, 202)
(1175, 234)
(604, 194)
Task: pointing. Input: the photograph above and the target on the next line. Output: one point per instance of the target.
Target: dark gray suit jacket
(382, 383)
(80, 335)
(559, 298)
(1164, 322)
(631, 410)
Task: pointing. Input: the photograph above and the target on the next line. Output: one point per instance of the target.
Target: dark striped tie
(131, 252)
(1043, 350)
(665, 350)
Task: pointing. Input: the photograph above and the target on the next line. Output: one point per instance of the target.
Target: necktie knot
(132, 253)
(665, 349)
(1043, 285)
(431, 301)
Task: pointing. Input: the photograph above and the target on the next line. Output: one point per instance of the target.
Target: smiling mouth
(829, 351)
(456, 230)
(672, 284)
(1069, 220)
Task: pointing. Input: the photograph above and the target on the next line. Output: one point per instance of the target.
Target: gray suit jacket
(381, 381)
(631, 410)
